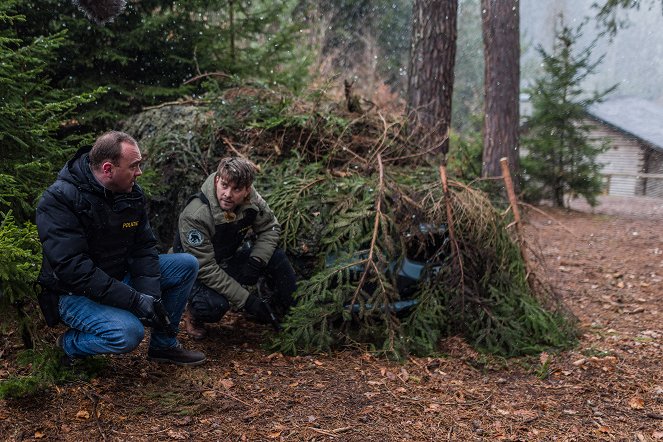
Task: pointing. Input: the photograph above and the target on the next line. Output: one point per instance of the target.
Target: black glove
(143, 308)
(262, 311)
(151, 312)
(163, 320)
(251, 271)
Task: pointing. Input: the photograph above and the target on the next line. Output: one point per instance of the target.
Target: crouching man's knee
(126, 339)
(207, 305)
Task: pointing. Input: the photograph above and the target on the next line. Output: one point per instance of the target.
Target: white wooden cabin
(633, 128)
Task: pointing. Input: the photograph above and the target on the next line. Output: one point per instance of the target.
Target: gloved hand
(262, 311)
(162, 322)
(143, 308)
(251, 271)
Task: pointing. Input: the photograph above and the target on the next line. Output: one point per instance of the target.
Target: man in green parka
(214, 227)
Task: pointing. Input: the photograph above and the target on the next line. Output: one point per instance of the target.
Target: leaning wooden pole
(513, 201)
(452, 235)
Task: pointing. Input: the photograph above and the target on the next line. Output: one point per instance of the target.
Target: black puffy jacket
(92, 238)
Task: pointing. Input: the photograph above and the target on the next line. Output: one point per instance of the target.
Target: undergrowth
(39, 370)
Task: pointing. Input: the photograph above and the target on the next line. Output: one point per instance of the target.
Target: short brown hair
(108, 147)
(236, 170)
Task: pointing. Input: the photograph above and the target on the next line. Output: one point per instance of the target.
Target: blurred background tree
(561, 157)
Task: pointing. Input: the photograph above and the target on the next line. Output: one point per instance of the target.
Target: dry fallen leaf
(178, 435)
(657, 435)
(83, 414)
(318, 363)
(636, 403)
(226, 383)
(39, 435)
(209, 394)
(603, 429)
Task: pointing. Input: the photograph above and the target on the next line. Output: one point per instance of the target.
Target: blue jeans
(97, 328)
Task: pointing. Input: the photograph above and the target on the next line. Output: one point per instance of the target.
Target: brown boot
(194, 328)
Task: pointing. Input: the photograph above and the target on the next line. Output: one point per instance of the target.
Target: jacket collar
(77, 172)
(221, 216)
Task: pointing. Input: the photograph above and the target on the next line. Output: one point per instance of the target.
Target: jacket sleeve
(144, 261)
(196, 229)
(65, 249)
(267, 229)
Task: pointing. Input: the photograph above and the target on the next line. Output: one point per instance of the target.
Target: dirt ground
(607, 266)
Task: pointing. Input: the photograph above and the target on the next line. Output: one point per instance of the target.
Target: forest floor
(607, 266)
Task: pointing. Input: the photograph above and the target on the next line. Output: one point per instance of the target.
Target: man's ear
(107, 167)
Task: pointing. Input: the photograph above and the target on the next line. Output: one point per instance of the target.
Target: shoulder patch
(194, 237)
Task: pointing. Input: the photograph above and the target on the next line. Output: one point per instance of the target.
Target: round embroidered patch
(194, 237)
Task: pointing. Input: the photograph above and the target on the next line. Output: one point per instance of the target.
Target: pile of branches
(359, 201)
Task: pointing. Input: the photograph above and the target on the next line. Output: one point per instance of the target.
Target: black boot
(176, 355)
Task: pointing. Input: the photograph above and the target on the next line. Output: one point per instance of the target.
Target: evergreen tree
(150, 51)
(561, 157)
(31, 113)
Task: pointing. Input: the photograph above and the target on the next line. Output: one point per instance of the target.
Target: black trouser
(278, 280)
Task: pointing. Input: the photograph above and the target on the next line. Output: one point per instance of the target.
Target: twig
(140, 434)
(452, 235)
(94, 397)
(332, 433)
(209, 74)
(177, 103)
(347, 149)
(418, 154)
(235, 398)
(321, 431)
(462, 404)
(231, 147)
(485, 178)
(378, 149)
(376, 225)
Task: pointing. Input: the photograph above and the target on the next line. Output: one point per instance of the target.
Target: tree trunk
(431, 76)
(502, 84)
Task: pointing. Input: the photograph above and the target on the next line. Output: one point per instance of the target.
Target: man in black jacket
(101, 272)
